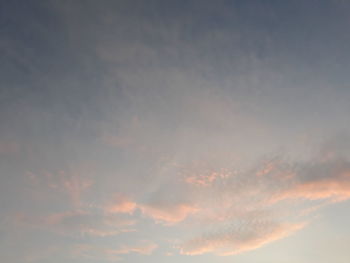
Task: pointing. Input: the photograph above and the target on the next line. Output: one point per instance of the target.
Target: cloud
(78, 223)
(266, 202)
(238, 240)
(213, 208)
(161, 211)
(70, 183)
(74, 185)
(134, 87)
(325, 180)
(144, 248)
(205, 180)
(120, 204)
(168, 214)
(99, 253)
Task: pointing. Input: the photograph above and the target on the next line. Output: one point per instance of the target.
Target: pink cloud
(268, 168)
(335, 187)
(121, 204)
(231, 242)
(168, 214)
(206, 179)
(207, 200)
(241, 197)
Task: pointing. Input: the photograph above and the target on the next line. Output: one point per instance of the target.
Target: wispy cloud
(71, 184)
(229, 211)
(77, 223)
(231, 241)
(144, 247)
(168, 214)
(191, 114)
(104, 253)
(120, 204)
(287, 191)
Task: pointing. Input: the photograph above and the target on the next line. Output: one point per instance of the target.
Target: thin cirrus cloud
(328, 180)
(295, 184)
(232, 241)
(144, 247)
(168, 214)
(131, 130)
(77, 223)
(228, 212)
(120, 204)
(72, 185)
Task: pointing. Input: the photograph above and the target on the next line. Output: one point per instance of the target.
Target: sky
(174, 131)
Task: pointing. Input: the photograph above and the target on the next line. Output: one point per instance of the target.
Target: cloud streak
(91, 252)
(168, 214)
(287, 192)
(187, 127)
(234, 241)
(223, 211)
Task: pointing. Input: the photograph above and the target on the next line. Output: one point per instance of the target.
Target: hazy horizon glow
(174, 131)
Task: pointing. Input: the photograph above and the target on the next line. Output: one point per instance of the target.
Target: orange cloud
(252, 198)
(205, 180)
(234, 242)
(268, 168)
(251, 192)
(168, 214)
(121, 204)
(335, 187)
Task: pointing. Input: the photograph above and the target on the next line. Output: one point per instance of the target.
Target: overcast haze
(174, 131)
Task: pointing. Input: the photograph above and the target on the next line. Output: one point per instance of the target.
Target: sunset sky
(161, 131)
